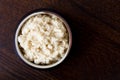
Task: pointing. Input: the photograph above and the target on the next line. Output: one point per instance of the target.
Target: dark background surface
(95, 53)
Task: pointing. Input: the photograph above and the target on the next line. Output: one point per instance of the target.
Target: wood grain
(95, 53)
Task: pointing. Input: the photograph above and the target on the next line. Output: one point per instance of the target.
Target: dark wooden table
(95, 53)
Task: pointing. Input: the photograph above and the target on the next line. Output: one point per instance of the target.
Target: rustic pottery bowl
(19, 50)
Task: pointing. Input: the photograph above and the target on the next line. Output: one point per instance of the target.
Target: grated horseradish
(44, 39)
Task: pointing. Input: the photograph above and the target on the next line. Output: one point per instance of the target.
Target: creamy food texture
(44, 39)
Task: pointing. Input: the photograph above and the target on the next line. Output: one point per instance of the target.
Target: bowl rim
(19, 51)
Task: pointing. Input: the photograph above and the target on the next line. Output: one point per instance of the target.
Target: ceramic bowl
(19, 50)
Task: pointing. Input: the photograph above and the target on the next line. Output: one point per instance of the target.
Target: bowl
(20, 51)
